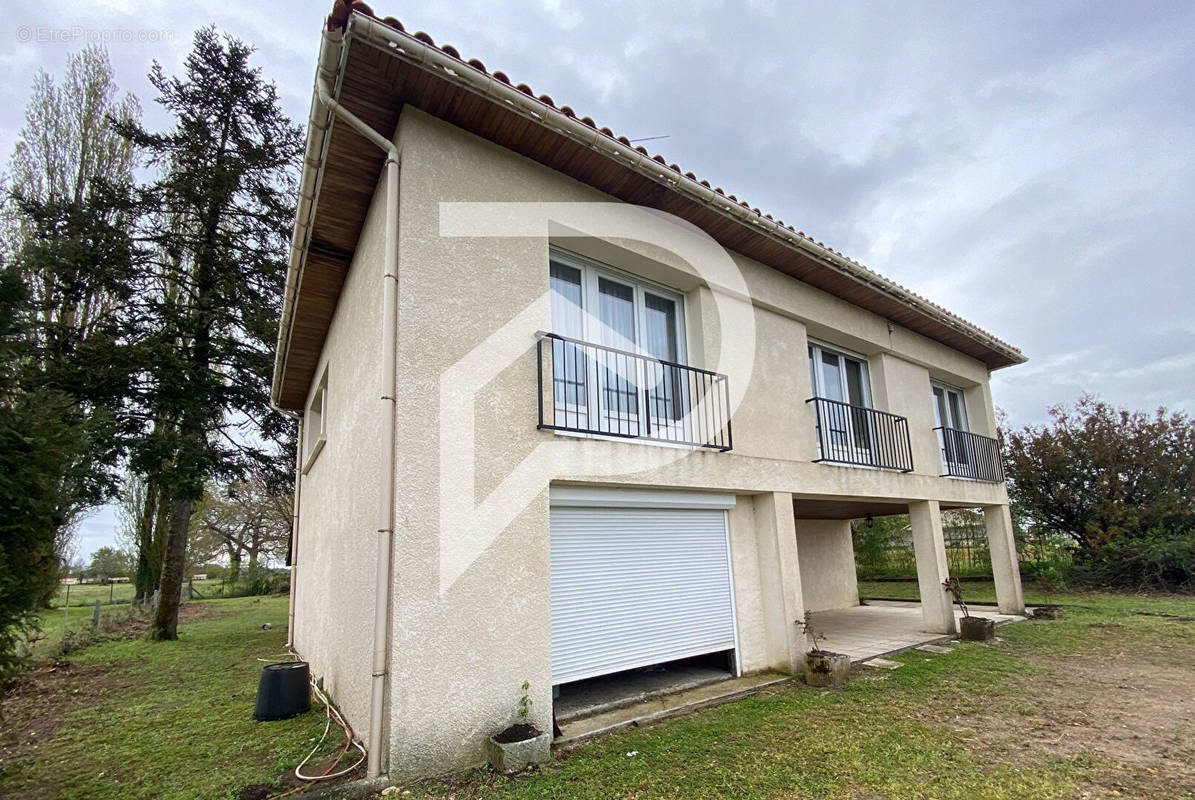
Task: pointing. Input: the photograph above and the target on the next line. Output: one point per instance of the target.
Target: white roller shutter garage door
(637, 586)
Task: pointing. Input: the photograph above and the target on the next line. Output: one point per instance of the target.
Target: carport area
(884, 627)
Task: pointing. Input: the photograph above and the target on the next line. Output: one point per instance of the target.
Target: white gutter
(410, 49)
(324, 108)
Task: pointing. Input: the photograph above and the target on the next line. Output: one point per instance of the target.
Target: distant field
(85, 594)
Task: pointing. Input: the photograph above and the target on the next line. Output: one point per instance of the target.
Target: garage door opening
(594, 695)
(640, 580)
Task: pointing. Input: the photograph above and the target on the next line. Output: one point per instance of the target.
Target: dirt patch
(187, 612)
(291, 783)
(1127, 703)
(36, 704)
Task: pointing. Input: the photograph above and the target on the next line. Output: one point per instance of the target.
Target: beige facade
(471, 612)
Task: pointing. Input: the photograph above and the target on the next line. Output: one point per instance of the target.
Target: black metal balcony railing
(969, 455)
(610, 392)
(848, 434)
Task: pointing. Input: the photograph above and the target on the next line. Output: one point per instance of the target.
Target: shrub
(1159, 559)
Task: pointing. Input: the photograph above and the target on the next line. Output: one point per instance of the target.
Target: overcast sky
(1031, 166)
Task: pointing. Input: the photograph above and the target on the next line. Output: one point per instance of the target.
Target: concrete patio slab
(883, 627)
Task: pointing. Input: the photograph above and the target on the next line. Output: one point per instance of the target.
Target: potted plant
(972, 629)
(822, 667)
(520, 744)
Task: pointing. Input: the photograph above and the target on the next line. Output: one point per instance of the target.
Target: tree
(108, 563)
(226, 182)
(243, 520)
(1120, 484)
(65, 237)
(33, 441)
(142, 533)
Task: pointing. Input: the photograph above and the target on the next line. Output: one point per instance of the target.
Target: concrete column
(780, 579)
(929, 547)
(1006, 568)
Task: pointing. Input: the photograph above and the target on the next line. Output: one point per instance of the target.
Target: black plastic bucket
(284, 691)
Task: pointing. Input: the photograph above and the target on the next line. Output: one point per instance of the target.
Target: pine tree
(221, 210)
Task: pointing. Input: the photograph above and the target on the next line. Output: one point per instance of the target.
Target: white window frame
(591, 271)
(817, 377)
(315, 422)
(964, 448)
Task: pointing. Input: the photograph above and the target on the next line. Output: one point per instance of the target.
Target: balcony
(861, 436)
(604, 391)
(969, 455)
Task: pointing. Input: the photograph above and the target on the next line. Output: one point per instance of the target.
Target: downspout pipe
(385, 529)
(294, 523)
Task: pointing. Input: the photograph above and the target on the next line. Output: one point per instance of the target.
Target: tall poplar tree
(220, 213)
(64, 236)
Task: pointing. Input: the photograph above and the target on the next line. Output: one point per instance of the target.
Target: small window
(315, 431)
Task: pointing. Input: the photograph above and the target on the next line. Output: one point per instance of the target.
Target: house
(567, 410)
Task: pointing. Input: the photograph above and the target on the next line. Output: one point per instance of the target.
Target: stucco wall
(334, 576)
(827, 557)
(470, 583)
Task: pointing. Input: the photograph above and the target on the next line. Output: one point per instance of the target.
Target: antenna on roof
(651, 138)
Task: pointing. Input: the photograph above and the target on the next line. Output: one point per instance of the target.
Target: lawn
(85, 594)
(129, 718)
(1094, 705)
(1097, 704)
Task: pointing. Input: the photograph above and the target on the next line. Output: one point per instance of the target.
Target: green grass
(176, 720)
(85, 594)
(887, 735)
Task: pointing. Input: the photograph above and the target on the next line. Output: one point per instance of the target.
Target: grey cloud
(1029, 165)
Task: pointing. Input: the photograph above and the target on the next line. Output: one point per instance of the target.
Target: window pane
(616, 312)
(958, 417)
(568, 360)
(940, 412)
(661, 327)
(831, 376)
(812, 375)
(855, 378)
(857, 397)
(663, 381)
(566, 301)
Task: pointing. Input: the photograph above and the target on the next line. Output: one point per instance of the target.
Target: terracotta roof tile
(338, 20)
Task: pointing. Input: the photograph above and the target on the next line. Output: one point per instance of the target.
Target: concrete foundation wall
(827, 564)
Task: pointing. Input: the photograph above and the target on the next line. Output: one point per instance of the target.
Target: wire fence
(890, 554)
